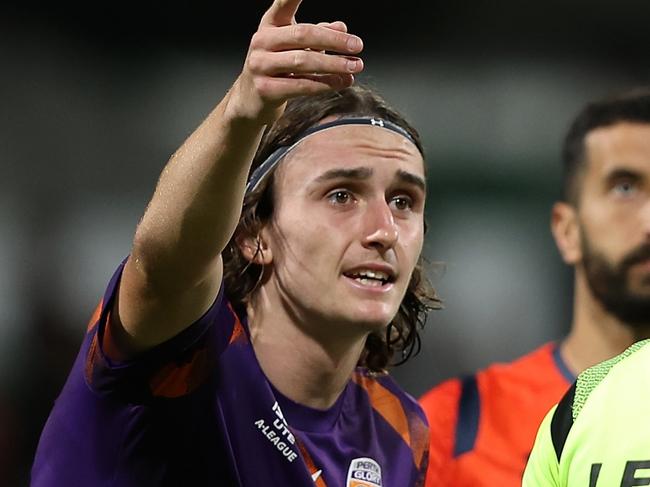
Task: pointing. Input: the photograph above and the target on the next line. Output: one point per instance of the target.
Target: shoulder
(535, 372)
(172, 368)
(604, 387)
(459, 408)
(620, 372)
(399, 409)
(383, 391)
(607, 390)
(536, 367)
(533, 382)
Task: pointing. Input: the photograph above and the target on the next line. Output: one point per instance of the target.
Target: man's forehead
(621, 144)
(351, 146)
(618, 136)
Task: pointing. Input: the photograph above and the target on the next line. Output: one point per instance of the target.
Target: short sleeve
(542, 469)
(171, 369)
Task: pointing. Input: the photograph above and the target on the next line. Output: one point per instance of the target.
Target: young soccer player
(245, 339)
(483, 426)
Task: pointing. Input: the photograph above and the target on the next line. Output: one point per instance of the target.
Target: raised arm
(175, 269)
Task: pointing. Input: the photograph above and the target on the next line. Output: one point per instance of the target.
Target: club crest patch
(364, 472)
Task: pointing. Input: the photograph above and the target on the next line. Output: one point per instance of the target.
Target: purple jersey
(198, 410)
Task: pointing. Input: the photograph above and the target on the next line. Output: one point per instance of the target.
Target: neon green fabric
(608, 444)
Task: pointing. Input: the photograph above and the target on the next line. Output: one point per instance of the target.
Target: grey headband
(277, 155)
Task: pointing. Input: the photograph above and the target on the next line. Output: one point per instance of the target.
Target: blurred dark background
(95, 98)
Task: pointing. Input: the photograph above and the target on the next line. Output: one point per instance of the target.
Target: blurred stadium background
(96, 98)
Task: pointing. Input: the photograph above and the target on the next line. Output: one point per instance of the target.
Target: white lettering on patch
(364, 472)
(278, 434)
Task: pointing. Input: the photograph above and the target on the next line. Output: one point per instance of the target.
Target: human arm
(175, 269)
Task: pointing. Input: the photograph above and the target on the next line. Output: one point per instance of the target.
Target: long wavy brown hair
(401, 339)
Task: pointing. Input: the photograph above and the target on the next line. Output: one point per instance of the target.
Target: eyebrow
(361, 173)
(411, 178)
(354, 173)
(622, 173)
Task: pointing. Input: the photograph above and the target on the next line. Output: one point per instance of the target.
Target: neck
(309, 368)
(596, 334)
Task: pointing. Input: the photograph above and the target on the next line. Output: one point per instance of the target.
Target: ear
(566, 231)
(255, 249)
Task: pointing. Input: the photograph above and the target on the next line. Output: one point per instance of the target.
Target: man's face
(614, 218)
(348, 226)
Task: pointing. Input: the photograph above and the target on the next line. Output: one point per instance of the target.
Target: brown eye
(340, 197)
(401, 203)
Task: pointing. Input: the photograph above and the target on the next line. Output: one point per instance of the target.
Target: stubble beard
(610, 284)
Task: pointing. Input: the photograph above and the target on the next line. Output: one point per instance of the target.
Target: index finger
(280, 13)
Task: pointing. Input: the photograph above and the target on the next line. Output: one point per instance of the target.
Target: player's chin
(374, 316)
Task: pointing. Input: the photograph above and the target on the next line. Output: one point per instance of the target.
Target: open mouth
(370, 278)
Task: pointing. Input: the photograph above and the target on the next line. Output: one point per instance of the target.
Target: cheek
(609, 227)
(306, 239)
(608, 240)
(412, 239)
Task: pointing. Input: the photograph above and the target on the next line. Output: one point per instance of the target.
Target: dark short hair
(242, 278)
(630, 106)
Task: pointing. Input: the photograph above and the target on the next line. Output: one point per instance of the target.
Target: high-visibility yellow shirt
(598, 435)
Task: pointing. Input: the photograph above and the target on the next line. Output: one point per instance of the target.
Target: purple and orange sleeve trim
(170, 370)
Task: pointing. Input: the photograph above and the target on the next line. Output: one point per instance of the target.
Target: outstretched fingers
(288, 59)
(307, 36)
(303, 62)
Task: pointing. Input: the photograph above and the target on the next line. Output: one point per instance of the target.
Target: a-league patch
(364, 472)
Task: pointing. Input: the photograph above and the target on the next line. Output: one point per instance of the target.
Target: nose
(381, 231)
